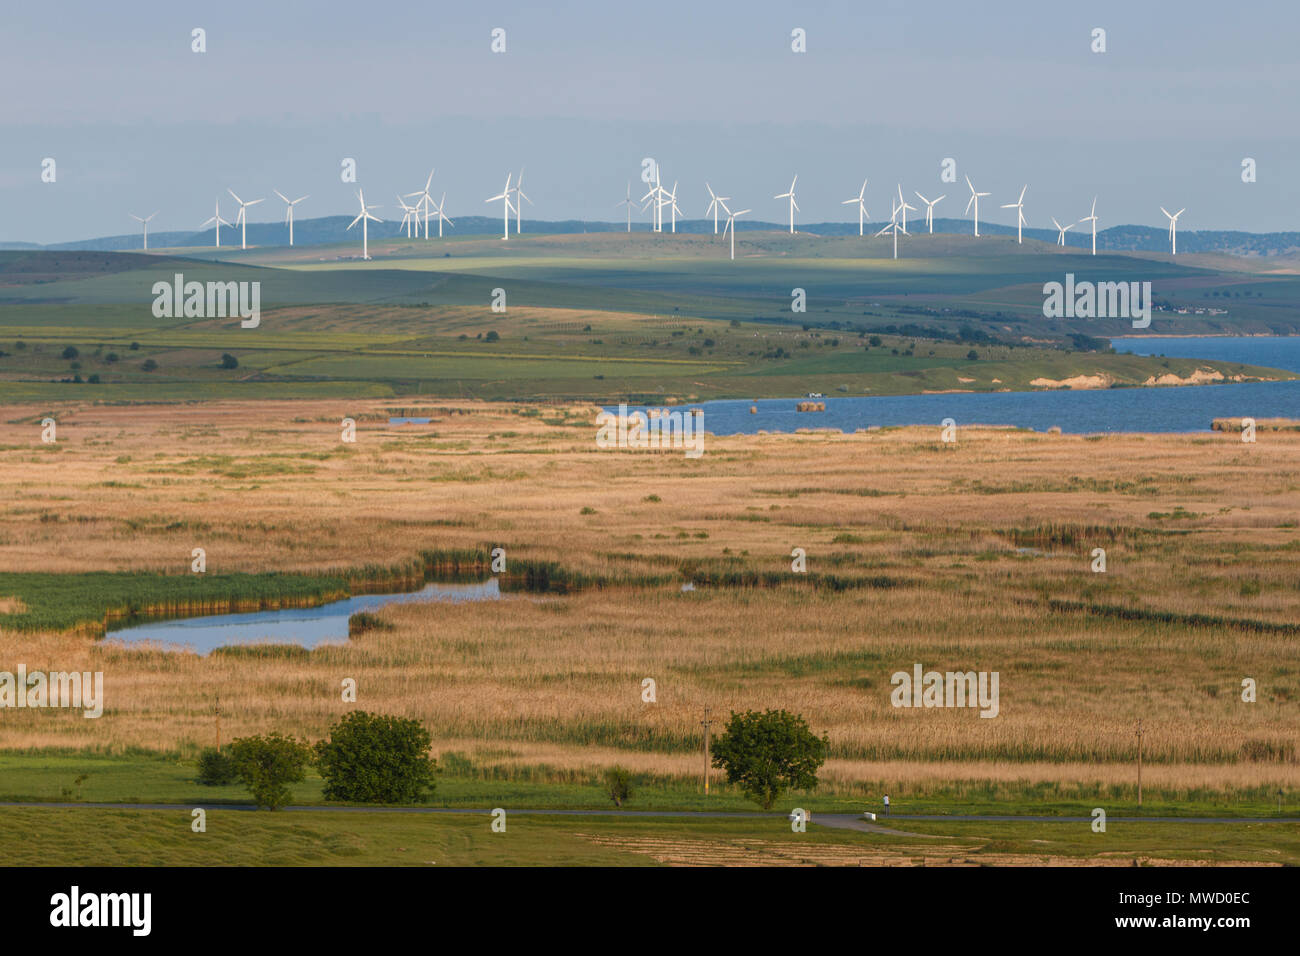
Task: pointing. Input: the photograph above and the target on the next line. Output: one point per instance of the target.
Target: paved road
(840, 820)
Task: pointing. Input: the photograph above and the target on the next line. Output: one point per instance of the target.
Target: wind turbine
(893, 226)
(629, 203)
(672, 206)
(731, 226)
(1173, 228)
(425, 200)
(364, 218)
(860, 199)
(442, 217)
(288, 213)
(504, 195)
(242, 219)
(519, 207)
(145, 223)
(903, 207)
(651, 199)
(411, 214)
(1019, 207)
(216, 218)
(715, 203)
(790, 196)
(974, 199)
(1060, 239)
(1092, 218)
(929, 209)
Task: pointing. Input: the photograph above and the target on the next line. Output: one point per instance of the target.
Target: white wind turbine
(364, 217)
(903, 207)
(216, 218)
(860, 199)
(144, 222)
(519, 206)
(442, 216)
(1060, 239)
(929, 209)
(731, 227)
(715, 203)
(504, 196)
(651, 201)
(629, 203)
(893, 226)
(1173, 228)
(242, 219)
(411, 214)
(975, 200)
(1019, 207)
(672, 206)
(425, 201)
(288, 213)
(790, 196)
(1092, 218)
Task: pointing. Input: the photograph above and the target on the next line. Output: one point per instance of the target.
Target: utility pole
(706, 723)
(1139, 737)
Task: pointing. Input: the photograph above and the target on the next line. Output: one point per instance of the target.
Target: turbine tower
(411, 214)
(929, 209)
(1173, 228)
(519, 206)
(442, 217)
(1092, 218)
(288, 213)
(242, 219)
(715, 203)
(731, 227)
(860, 199)
(790, 196)
(1060, 239)
(144, 222)
(425, 200)
(216, 218)
(1019, 207)
(893, 226)
(504, 196)
(364, 217)
(975, 200)
(903, 207)
(672, 206)
(629, 203)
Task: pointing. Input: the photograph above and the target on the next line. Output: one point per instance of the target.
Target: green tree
(769, 752)
(377, 758)
(618, 784)
(229, 361)
(267, 765)
(216, 768)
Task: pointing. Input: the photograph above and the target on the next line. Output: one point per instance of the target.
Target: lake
(306, 627)
(1164, 409)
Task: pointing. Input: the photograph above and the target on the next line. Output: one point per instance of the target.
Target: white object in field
(869, 815)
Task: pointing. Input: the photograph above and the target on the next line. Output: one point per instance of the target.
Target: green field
(602, 318)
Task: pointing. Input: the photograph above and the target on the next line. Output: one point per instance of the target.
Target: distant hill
(333, 229)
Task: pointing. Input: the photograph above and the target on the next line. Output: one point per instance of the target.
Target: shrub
(267, 765)
(70, 352)
(216, 768)
(377, 758)
(491, 337)
(618, 784)
(149, 365)
(229, 361)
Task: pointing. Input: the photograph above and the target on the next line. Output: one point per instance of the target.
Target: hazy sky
(887, 89)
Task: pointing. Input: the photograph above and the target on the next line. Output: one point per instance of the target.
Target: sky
(585, 91)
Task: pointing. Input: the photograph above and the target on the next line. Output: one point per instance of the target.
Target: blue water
(1163, 409)
(308, 627)
(1270, 351)
(409, 421)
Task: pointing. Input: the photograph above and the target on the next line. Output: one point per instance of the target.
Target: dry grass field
(973, 556)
